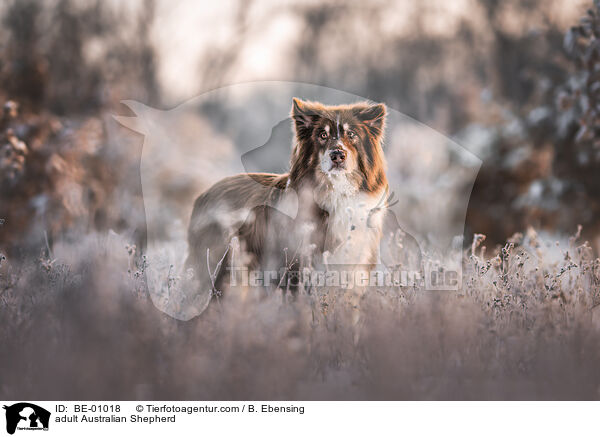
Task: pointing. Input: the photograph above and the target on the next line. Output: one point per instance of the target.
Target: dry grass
(522, 327)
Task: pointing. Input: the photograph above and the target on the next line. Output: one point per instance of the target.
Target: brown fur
(242, 206)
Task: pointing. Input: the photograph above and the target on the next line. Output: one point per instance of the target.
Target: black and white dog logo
(26, 416)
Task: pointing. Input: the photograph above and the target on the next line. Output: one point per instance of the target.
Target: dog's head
(340, 143)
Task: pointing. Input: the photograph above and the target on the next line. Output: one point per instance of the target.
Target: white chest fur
(354, 225)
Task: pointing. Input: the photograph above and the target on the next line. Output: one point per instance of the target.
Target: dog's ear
(305, 115)
(373, 116)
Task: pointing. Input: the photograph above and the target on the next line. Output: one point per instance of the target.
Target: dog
(338, 176)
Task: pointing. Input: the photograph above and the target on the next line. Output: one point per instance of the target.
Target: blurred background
(515, 82)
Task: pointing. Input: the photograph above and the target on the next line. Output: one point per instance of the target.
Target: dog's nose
(337, 156)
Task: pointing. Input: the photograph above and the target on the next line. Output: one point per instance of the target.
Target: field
(523, 326)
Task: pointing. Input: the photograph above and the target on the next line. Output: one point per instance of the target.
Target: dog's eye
(351, 134)
(323, 135)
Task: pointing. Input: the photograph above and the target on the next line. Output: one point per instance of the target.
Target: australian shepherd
(338, 180)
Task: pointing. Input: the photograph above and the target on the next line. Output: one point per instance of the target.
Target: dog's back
(237, 206)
